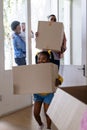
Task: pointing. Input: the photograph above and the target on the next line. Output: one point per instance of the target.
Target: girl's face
(42, 59)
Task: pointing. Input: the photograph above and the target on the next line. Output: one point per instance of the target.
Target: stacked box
(50, 35)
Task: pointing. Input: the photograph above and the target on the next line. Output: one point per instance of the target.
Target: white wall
(10, 102)
(54, 7)
(76, 32)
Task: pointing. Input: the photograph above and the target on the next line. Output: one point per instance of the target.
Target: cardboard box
(66, 111)
(38, 78)
(50, 35)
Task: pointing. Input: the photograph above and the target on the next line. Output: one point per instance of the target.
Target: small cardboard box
(50, 35)
(38, 78)
(66, 111)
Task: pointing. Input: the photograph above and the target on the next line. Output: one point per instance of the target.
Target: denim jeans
(20, 61)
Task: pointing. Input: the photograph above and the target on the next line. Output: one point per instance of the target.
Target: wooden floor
(21, 120)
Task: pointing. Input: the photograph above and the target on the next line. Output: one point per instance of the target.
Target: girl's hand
(57, 82)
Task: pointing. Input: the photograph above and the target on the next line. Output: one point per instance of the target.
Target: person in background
(18, 44)
(44, 98)
(23, 32)
(56, 55)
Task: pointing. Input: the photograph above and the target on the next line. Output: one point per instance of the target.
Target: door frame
(83, 38)
(84, 32)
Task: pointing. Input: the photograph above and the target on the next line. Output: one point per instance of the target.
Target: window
(62, 10)
(40, 9)
(70, 15)
(13, 10)
(66, 11)
(64, 16)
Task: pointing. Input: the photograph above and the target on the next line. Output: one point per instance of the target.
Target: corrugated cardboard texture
(66, 111)
(37, 78)
(50, 35)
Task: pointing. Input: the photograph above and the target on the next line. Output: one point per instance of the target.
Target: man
(18, 44)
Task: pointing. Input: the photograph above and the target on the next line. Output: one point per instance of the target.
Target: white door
(75, 72)
(73, 75)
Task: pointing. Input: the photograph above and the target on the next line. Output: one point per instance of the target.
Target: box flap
(79, 92)
(66, 111)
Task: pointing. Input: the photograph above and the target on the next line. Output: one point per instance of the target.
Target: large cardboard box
(67, 107)
(50, 35)
(38, 78)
